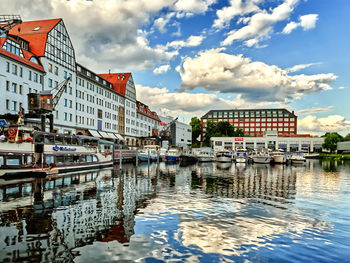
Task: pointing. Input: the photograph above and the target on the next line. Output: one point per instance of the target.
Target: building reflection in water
(219, 209)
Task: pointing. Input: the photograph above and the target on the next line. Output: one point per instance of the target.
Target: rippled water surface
(201, 213)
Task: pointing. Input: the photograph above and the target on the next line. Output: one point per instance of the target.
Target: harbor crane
(7, 22)
(41, 105)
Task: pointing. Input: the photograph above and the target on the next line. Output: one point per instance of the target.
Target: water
(201, 213)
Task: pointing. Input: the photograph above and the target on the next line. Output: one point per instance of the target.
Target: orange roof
(118, 80)
(25, 60)
(35, 32)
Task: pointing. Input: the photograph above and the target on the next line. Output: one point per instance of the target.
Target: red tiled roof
(36, 38)
(25, 60)
(118, 81)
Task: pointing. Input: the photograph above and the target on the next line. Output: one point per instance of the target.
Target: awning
(111, 135)
(95, 133)
(105, 135)
(118, 136)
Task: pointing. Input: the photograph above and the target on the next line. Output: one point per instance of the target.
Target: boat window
(60, 159)
(27, 159)
(83, 158)
(13, 160)
(76, 159)
(49, 139)
(68, 159)
(1, 160)
(49, 159)
(94, 158)
(88, 158)
(59, 140)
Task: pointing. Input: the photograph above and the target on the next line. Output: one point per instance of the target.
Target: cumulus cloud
(162, 100)
(332, 123)
(217, 71)
(314, 110)
(260, 25)
(161, 22)
(306, 22)
(162, 69)
(236, 8)
(192, 41)
(300, 67)
(108, 32)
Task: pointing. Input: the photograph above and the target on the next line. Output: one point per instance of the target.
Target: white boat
(148, 152)
(162, 153)
(261, 157)
(224, 157)
(278, 156)
(35, 153)
(297, 158)
(241, 156)
(204, 154)
(173, 155)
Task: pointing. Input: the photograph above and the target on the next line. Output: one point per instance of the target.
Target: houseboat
(224, 157)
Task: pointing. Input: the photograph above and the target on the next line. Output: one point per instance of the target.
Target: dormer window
(37, 28)
(34, 60)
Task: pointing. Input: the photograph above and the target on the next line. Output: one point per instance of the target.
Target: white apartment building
(147, 121)
(39, 55)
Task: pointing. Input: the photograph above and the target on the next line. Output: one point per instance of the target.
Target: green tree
(196, 128)
(225, 128)
(347, 137)
(330, 141)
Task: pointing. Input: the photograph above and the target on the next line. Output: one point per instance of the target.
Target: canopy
(95, 133)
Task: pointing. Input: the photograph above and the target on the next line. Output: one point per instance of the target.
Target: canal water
(205, 212)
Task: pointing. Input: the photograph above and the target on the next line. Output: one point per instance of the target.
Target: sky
(191, 56)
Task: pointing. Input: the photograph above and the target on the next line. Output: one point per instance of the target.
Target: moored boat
(25, 152)
(204, 154)
(278, 157)
(173, 154)
(297, 158)
(261, 157)
(224, 157)
(241, 156)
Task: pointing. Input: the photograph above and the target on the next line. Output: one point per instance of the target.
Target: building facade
(180, 133)
(271, 140)
(255, 122)
(39, 55)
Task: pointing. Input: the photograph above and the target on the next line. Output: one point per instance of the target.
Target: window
(7, 104)
(35, 77)
(50, 67)
(14, 88)
(56, 71)
(14, 69)
(7, 85)
(29, 75)
(14, 105)
(7, 67)
(50, 83)
(21, 72)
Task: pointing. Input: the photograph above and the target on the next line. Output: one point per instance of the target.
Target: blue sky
(190, 56)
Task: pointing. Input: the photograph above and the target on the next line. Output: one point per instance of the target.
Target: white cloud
(307, 22)
(332, 123)
(193, 6)
(236, 8)
(260, 25)
(192, 41)
(221, 72)
(300, 67)
(290, 27)
(161, 22)
(162, 69)
(314, 110)
(342, 87)
(180, 103)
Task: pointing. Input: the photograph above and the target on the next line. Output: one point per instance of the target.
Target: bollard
(149, 157)
(137, 158)
(120, 159)
(157, 157)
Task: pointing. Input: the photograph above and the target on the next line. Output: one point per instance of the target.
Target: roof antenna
(109, 72)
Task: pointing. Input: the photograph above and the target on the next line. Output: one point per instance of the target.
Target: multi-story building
(255, 121)
(180, 133)
(147, 122)
(39, 55)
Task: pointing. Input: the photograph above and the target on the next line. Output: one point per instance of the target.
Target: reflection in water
(203, 212)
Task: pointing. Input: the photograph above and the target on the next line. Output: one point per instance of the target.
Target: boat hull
(261, 159)
(224, 159)
(279, 159)
(172, 158)
(241, 159)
